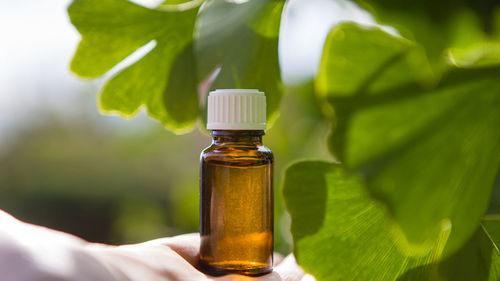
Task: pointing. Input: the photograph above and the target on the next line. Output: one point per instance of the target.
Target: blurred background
(110, 180)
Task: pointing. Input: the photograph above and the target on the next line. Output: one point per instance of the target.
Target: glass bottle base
(249, 269)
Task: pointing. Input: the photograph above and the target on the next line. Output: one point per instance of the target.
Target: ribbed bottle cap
(236, 109)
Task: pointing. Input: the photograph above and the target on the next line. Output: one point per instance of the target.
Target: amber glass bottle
(236, 192)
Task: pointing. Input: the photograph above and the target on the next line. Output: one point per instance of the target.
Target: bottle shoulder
(250, 154)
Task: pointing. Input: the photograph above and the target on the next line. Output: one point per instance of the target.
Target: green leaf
(472, 47)
(478, 55)
(341, 233)
(242, 40)
(376, 54)
(163, 81)
(439, 25)
(492, 226)
(478, 259)
(430, 152)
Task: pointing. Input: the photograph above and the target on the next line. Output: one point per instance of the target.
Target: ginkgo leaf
(478, 259)
(341, 233)
(492, 225)
(242, 40)
(164, 80)
(439, 25)
(239, 39)
(429, 151)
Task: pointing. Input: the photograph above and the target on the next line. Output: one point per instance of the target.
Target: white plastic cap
(236, 109)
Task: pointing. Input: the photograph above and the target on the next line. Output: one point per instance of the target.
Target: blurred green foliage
(440, 26)
(82, 178)
(111, 185)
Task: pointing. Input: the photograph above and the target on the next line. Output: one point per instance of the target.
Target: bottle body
(236, 204)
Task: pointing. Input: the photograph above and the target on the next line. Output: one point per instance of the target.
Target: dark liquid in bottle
(236, 211)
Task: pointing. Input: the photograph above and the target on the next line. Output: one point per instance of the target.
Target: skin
(34, 253)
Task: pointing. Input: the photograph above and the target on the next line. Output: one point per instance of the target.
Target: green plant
(415, 121)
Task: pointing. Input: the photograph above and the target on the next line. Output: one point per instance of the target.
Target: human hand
(34, 253)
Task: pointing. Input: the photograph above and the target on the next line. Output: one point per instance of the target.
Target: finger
(308, 277)
(277, 258)
(289, 270)
(187, 246)
(153, 260)
(189, 240)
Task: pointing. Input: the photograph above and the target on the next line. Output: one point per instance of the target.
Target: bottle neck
(237, 136)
